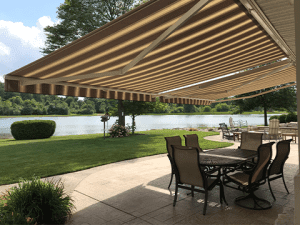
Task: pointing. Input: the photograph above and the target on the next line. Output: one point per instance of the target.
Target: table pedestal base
(251, 201)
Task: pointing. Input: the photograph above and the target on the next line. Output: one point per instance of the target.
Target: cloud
(20, 45)
(4, 50)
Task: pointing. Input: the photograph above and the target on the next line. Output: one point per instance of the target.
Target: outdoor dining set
(275, 130)
(245, 168)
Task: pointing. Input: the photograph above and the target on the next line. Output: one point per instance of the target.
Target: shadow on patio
(136, 193)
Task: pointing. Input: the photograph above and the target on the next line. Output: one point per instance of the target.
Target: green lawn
(64, 154)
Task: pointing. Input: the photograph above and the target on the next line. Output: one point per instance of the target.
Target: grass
(64, 154)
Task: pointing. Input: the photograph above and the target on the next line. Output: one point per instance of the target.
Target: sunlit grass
(64, 154)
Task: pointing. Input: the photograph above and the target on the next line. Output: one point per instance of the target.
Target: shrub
(222, 107)
(119, 131)
(14, 218)
(32, 129)
(207, 109)
(282, 118)
(37, 202)
(291, 117)
(273, 117)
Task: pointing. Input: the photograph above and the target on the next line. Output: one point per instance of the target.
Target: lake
(75, 125)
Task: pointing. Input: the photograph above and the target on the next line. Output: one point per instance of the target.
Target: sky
(21, 31)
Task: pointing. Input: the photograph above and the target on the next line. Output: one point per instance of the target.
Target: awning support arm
(138, 58)
(262, 76)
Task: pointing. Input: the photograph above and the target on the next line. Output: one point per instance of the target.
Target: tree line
(13, 103)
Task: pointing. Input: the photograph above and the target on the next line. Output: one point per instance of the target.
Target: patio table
(237, 135)
(225, 158)
(241, 154)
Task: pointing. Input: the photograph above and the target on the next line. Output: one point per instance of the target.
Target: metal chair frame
(279, 175)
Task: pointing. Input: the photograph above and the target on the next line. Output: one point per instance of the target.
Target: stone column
(297, 176)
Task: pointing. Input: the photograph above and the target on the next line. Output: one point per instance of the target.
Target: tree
(189, 108)
(281, 99)
(80, 17)
(222, 107)
(160, 107)
(133, 109)
(207, 109)
(28, 108)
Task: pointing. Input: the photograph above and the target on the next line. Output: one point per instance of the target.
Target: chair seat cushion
(240, 177)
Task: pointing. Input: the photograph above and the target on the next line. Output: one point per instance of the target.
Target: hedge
(32, 129)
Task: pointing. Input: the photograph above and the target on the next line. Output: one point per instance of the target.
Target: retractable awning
(160, 46)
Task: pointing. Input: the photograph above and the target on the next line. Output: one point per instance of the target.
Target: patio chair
(176, 140)
(274, 129)
(251, 141)
(275, 170)
(249, 182)
(226, 132)
(233, 125)
(188, 171)
(191, 140)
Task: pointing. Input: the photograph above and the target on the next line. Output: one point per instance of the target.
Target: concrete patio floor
(135, 192)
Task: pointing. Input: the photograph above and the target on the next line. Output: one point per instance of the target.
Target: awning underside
(220, 39)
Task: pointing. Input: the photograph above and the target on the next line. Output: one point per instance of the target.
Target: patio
(135, 192)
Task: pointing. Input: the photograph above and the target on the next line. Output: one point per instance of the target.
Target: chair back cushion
(192, 141)
(176, 140)
(251, 141)
(282, 154)
(274, 126)
(264, 157)
(186, 160)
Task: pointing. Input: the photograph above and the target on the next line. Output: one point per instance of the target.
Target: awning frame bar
(261, 18)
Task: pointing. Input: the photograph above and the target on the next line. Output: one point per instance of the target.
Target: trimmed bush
(273, 117)
(32, 129)
(282, 118)
(36, 202)
(291, 117)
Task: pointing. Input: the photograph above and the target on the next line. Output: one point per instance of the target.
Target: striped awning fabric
(260, 78)
(160, 46)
